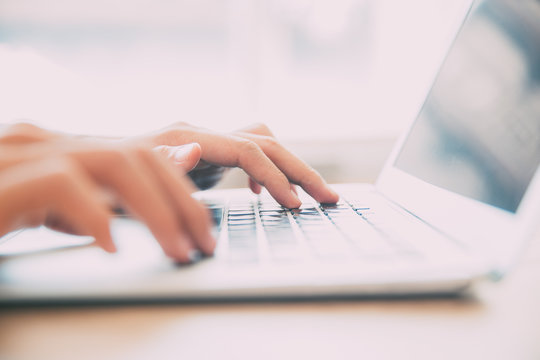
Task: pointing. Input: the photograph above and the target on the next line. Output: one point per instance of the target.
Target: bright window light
(310, 69)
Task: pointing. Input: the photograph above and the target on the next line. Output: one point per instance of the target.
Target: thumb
(186, 157)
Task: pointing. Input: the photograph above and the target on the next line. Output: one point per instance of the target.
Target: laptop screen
(478, 133)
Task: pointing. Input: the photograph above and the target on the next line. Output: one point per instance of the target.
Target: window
(308, 68)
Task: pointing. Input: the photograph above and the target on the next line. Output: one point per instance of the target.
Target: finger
(56, 223)
(57, 186)
(293, 167)
(123, 171)
(230, 150)
(83, 212)
(296, 170)
(257, 129)
(194, 217)
(254, 186)
(252, 159)
(293, 189)
(186, 157)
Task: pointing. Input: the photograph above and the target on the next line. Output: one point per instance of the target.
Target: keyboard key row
(331, 231)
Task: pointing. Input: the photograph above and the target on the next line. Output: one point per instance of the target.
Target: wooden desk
(500, 321)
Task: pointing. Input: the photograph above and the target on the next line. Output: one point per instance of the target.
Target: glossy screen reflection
(478, 133)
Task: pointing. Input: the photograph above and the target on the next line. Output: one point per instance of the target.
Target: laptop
(455, 203)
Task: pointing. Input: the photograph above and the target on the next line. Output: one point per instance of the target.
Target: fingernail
(182, 152)
(194, 255)
(295, 196)
(111, 249)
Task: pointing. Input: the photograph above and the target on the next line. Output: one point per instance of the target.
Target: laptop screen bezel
(492, 232)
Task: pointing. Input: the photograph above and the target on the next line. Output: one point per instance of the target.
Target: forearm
(24, 133)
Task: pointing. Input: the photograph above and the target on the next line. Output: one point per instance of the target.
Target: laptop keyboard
(348, 230)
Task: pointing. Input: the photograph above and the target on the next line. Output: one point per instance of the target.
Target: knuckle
(248, 146)
(262, 126)
(181, 125)
(270, 144)
(23, 127)
(311, 176)
(246, 150)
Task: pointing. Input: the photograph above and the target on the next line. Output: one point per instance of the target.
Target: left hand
(254, 149)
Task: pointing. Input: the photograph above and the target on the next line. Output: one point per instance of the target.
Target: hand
(63, 181)
(25, 133)
(253, 149)
(188, 159)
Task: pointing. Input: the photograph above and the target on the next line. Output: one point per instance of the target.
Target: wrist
(25, 133)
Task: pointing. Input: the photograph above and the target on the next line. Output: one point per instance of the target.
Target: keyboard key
(285, 252)
(280, 236)
(217, 215)
(243, 256)
(334, 232)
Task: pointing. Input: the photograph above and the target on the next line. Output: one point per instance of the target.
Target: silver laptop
(455, 203)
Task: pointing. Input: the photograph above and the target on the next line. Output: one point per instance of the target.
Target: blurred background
(335, 80)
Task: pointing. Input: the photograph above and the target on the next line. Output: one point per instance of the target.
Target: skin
(257, 152)
(70, 183)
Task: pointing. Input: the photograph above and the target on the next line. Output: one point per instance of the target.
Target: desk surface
(499, 321)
